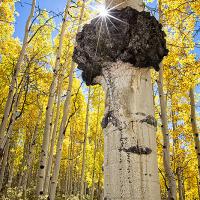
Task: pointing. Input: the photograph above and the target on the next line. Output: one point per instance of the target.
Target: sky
(23, 10)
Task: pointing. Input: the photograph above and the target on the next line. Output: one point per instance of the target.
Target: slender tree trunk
(95, 151)
(53, 139)
(166, 145)
(4, 163)
(11, 173)
(63, 127)
(15, 74)
(69, 173)
(61, 136)
(30, 155)
(49, 108)
(84, 147)
(17, 98)
(180, 184)
(176, 146)
(195, 132)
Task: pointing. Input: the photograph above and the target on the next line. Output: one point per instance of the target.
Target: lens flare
(103, 12)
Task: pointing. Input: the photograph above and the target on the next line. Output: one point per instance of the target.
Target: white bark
(166, 145)
(95, 150)
(195, 131)
(54, 179)
(56, 169)
(84, 146)
(130, 160)
(46, 136)
(4, 163)
(15, 74)
(30, 155)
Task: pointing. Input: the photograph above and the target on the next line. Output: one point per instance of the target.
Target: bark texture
(195, 131)
(166, 145)
(130, 162)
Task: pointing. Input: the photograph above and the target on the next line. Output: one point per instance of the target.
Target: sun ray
(112, 24)
(98, 37)
(117, 19)
(107, 27)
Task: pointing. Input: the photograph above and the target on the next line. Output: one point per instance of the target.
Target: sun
(103, 12)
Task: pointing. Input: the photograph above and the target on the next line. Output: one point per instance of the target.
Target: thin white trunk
(195, 131)
(84, 147)
(61, 136)
(54, 179)
(10, 177)
(30, 155)
(53, 139)
(4, 163)
(166, 145)
(180, 184)
(130, 155)
(49, 109)
(15, 74)
(95, 150)
(13, 118)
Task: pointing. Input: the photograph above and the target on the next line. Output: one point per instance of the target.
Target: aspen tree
(30, 154)
(54, 178)
(4, 163)
(166, 145)
(9, 100)
(54, 133)
(95, 149)
(49, 109)
(84, 146)
(195, 132)
(130, 159)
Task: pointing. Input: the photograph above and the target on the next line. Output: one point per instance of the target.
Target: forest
(100, 100)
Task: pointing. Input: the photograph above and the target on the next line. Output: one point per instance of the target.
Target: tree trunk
(84, 147)
(95, 151)
(4, 163)
(130, 155)
(53, 139)
(17, 98)
(63, 127)
(30, 155)
(195, 132)
(49, 108)
(11, 173)
(15, 75)
(180, 184)
(166, 146)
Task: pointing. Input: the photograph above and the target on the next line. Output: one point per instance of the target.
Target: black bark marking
(139, 41)
(41, 166)
(137, 150)
(110, 118)
(149, 120)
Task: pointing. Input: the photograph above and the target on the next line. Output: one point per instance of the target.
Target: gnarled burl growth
(129, 35)
(120, 60)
